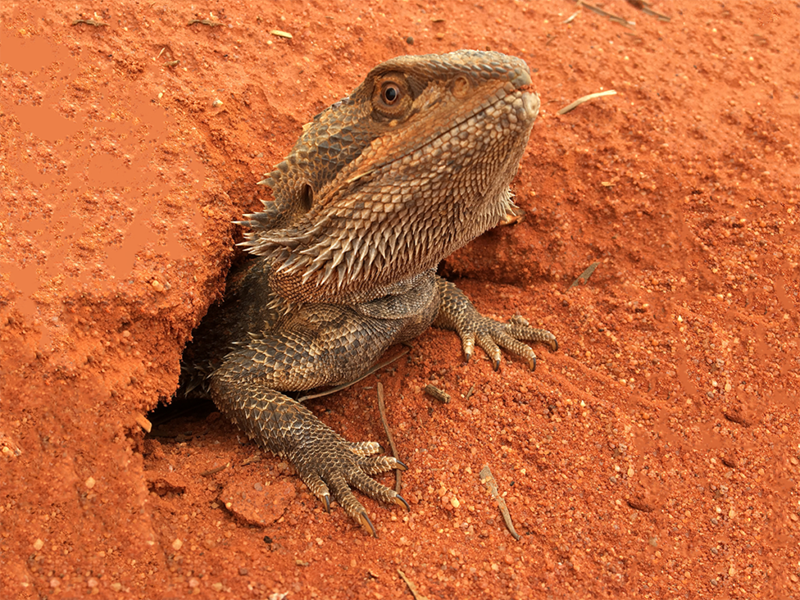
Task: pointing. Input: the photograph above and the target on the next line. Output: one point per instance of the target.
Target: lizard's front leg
(321, 345)
(458, 314)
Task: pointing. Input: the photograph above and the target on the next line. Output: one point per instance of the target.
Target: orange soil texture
(655, 455)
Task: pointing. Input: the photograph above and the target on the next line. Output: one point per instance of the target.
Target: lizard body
(379, 189)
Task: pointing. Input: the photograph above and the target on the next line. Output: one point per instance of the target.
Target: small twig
(411, 586)
(645, 8)
(215, 470)
(435, 392)
(488, 480)
(572, 17)
(171, 63)
(580, 101)
(603, 13)
(469, 393)
(584, 277)
(143, 422)
(204, 22)
(91, 22)
(339, 388)
(382, 409)
(283, 34)
(252, 459)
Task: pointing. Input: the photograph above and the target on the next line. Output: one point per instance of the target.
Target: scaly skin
(379, 189)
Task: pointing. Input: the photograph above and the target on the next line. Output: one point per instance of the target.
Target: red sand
(654, 456)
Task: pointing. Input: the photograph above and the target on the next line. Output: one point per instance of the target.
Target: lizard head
(387, 182)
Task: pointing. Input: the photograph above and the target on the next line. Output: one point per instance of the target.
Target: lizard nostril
(530, 104)
(460, 87)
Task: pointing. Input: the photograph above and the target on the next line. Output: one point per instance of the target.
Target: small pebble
(38, 544)
(217, 587)
(194, 582)
(90, 482)
(116, 586)
(55, 582)
(177, 544)
(157, 286)
(454, 501)
(731, 571)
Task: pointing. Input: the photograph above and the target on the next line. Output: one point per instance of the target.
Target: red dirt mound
(655, 455)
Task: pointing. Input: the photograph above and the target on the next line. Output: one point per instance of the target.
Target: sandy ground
(655, 455)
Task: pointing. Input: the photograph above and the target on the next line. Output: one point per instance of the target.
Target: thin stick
(488, 480)
(411, 586)
(215, 470)
(584, 277)
(469, 393)
(252, 459)
(603, 13)
(204, 22)
(143, 422)
(435, 392)
(580, 101)
(382, 409)
(91, 22)
(339, 388)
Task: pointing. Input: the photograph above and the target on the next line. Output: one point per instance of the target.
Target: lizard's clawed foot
(330, 466)
(458, 313)
(492, 335)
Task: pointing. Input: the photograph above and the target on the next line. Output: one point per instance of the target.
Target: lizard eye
(390, 93)
(392, 97)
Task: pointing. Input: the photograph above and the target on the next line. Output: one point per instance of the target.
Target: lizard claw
(364, 521)
(400, 501)
(458, 313)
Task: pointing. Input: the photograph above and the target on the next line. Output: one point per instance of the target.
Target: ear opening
(306, 197)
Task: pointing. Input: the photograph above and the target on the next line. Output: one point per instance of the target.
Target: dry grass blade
(645, 8)
(339, 388)
(580, 101)
(411, 586)
(382, 408)
(469, 393)
(602, 13)
(488, 480)
(91, 22)
(204, 22)
(252, 459)
(283, 34)
(215, 470)
(584, 277)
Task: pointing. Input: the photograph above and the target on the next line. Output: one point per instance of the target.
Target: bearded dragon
(380, 187)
